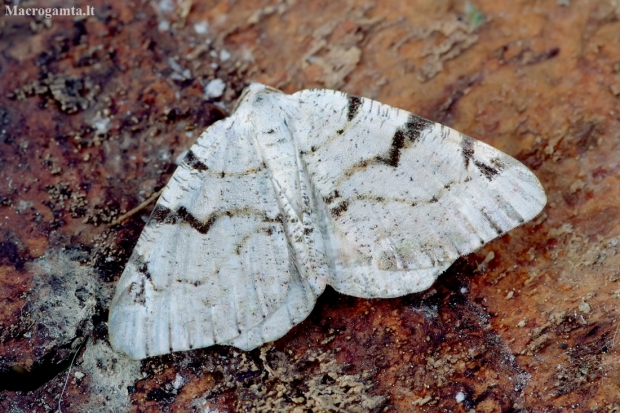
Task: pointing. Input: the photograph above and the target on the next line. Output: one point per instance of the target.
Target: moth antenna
(137, 209)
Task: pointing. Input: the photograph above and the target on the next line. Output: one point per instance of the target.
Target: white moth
(294, 192)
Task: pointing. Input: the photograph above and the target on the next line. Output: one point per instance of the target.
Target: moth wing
(402, 197)
(299, 302)
(212, 265)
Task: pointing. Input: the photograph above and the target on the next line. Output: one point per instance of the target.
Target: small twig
(136, 209)
(69, 374)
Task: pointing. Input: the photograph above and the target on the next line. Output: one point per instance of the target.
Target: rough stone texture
(93, 113)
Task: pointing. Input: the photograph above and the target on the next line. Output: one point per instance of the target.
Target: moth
(295, 192)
